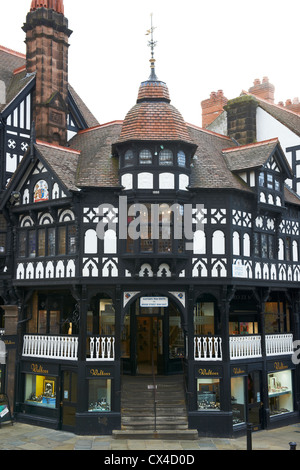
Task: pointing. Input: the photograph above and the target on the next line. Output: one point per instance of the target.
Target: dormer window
(166, 157)
(145, 157)
(269, 181)
(129, 158)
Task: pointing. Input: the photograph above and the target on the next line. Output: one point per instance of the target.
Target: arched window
(281, 249)
(181, 159)
(90, 242)
(246, 244)
(236, 244)
(166, 157)
(199, 242)
(110, 242)
(145, 157)
(295, 250)
(218, 243)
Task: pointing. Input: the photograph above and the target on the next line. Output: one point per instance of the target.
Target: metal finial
(152, 44)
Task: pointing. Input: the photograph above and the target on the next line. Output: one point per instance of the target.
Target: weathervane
(152, 44)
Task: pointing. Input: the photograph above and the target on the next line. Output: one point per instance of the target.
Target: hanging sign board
(5, 414)
(154, 301)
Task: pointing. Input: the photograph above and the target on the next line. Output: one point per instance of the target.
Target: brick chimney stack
(47, 45)
(264, 89)
(212, 107)
(293, 105)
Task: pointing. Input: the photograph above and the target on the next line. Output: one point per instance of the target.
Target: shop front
(247, 396)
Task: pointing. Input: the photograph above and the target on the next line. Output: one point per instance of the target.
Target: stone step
(164, 434)
(137, 406)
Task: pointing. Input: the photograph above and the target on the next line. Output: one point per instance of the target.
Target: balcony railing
(208, 348)
(279, 344)
(244, 347)
(101, 348)
(51, 347)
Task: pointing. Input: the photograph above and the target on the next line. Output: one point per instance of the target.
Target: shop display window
(99, 395)
(40, 390)
(204, 318)
(243, 328)
(106, 317)
(280, 392)
(208, 394)
(238, 400)
(277, 318)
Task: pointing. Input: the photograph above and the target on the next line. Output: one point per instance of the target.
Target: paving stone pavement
(21, 436)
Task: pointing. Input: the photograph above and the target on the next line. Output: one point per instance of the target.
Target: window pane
(164, 242)
(128, 158)
(270, 181)
(166, 157)
(280, 392)
(100, 395)
(145, 157)
(62, 240)
(51, 242)
(208, 394)
(106, 317)
(22, 244)
(204, 323)
(261, 179)
(264, 246)
(71, 239)
(40, 391)
(181, 158)
(42, 242)
(32, 243)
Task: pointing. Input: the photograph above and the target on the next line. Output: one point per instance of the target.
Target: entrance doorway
(69, 400)
(149, 345)
(152, 334)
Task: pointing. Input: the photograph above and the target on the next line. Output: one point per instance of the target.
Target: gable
(38, 185)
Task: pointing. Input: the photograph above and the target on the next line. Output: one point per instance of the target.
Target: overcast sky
(202, 46)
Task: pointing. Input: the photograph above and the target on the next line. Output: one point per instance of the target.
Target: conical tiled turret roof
(153, 117)
(56, 5)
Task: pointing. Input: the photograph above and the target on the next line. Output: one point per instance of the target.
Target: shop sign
(279, 365)
(208, 372)
(238, 371)
(154, 301)
(99, 373)
(40, 369)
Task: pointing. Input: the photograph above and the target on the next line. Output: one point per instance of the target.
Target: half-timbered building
(139, 250)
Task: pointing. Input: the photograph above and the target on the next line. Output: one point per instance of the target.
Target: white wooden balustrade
(208, 348)
(102, 348)
(243, 347)
(279, 344)
(51, 347)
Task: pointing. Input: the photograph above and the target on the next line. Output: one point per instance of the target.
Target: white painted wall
(269, 128)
